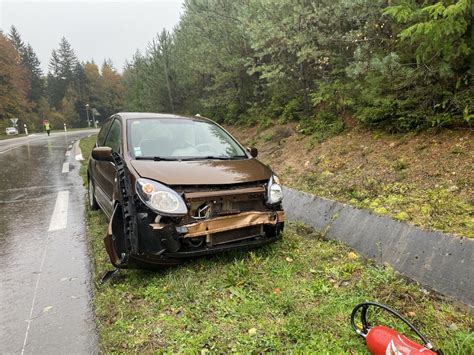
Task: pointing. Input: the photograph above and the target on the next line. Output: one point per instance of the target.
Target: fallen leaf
(252, 331)
(352, 256)
(47, 309)
(290, 260)
(276, 291)
(411, 314)
(453, 327)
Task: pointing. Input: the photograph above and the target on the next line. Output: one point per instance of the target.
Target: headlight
(160, 198)
(274, 191)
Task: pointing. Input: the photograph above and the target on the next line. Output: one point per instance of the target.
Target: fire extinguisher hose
(365, 325)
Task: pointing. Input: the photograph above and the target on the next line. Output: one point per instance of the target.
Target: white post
(26, 129)
(65, 130)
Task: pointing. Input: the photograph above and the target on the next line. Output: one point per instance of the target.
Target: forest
(61, 95)
(396, 65)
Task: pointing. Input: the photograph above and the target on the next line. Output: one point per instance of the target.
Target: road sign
(14, 121)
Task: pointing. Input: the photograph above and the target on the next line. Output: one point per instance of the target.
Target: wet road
(45, 289)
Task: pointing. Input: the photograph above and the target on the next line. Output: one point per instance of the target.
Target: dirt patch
(425, 178)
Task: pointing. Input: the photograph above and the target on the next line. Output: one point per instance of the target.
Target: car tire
(93, 205)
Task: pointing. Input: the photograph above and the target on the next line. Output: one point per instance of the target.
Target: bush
(294, 110)
(321, 127)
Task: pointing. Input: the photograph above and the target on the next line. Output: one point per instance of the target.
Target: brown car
(176, 187)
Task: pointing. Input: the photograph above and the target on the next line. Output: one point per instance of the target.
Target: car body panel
(211, 226)
(204, 172)
(104, 179)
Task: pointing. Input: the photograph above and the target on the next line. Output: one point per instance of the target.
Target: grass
(293, 296)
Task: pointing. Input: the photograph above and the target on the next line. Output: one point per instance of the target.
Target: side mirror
(253, 151)
(102, 153)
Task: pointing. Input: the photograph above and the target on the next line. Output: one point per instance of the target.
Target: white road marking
(8, 150)
(59, 217)
(68, 153)
(58, 222)
(35, 292)
(79, 157)
(65, 167)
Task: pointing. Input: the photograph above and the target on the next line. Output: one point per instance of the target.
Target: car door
(105, 170)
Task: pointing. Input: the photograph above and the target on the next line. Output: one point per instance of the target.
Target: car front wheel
(93, 205)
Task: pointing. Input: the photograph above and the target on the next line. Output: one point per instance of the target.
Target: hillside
(422, 178)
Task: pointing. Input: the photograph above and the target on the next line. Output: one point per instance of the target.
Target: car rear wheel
(93, 205)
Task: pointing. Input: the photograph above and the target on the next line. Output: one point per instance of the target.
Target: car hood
(205, 172)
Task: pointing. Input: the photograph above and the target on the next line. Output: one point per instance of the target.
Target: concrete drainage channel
(440, 261)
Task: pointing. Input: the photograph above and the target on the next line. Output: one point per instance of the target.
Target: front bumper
(232, 232)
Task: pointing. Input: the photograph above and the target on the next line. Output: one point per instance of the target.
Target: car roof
(145, 115)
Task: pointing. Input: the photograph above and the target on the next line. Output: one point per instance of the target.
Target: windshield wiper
(156, 158)
(210, 157)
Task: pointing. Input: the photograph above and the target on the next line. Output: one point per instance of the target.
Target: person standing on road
(47, 128)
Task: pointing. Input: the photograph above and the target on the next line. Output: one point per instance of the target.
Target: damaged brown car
(176, 187)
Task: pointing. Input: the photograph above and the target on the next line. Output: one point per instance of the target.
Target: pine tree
(31, 61)
(15, 38)
(67, 59)
(61, 72)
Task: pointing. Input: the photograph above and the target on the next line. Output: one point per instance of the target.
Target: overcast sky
(96, 29)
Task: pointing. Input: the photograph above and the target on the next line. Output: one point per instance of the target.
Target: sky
(97, 29)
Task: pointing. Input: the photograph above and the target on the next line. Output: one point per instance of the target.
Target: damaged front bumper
(166, 243)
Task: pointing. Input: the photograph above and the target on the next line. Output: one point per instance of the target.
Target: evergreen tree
(67, 59)
(15, 38)
(61, 72)
(31, 61)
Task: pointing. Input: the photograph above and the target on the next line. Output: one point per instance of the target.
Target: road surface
(45, 285)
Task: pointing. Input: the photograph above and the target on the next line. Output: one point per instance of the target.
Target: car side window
(114, 138)
(103, 133)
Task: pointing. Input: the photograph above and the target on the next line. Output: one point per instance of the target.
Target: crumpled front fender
(114, 240)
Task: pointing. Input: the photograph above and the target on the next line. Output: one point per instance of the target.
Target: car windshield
(181, 139)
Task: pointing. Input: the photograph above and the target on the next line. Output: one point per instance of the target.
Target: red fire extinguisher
(382, 340)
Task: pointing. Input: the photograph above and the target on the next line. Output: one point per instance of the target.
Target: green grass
(293, 296)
